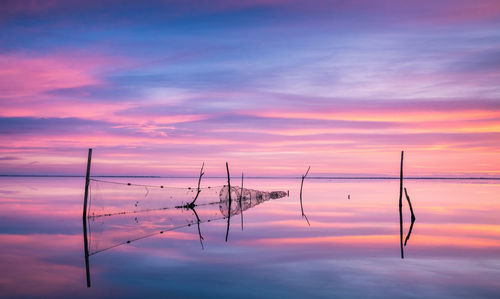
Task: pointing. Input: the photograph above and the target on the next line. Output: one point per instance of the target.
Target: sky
(270, 86)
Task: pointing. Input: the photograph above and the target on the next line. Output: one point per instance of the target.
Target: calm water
(351, 249)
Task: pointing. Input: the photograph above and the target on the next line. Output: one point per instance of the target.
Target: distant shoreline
(249, 177)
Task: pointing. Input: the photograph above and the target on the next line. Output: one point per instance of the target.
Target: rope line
(153, 186)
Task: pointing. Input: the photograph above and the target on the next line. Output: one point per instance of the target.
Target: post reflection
(41, 244)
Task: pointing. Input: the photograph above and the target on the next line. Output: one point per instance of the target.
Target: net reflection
(132, 222)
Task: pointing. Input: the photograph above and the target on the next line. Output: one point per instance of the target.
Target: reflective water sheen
(351, 248)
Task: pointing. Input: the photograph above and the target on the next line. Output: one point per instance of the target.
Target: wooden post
(401, 205)
(192, 204)
(85, 240)
(229, 204)
(87, 181)
(241, 198)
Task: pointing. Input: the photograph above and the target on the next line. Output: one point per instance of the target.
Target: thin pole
(85, 240)
(241, 198)
(87, 180)
(401, 205)
(229, 206)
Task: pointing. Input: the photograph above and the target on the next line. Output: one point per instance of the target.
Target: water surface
(351, 248)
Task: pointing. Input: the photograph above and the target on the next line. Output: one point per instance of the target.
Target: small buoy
(349, 196)
(128, 242)
(128, 184)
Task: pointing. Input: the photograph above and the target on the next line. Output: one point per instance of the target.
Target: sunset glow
(269, 86)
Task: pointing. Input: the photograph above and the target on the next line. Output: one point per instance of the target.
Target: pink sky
(269, 86)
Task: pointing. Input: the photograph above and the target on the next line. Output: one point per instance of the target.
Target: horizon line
(258, 177)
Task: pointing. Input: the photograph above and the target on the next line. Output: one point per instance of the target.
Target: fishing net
(249, 199)
(120, 213)
(113, 198)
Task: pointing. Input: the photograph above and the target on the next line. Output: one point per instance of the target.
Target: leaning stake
(192, 204)
(302, 185)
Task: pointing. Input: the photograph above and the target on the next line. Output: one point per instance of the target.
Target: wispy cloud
(273, 85)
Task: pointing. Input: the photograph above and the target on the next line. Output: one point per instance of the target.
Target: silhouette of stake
(85, 240)
(302, 185)
(241, 198)
(229, 204)
(412, 217)
(192, 204)
(401, 206)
